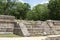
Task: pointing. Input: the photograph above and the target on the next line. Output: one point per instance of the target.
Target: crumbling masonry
(9, 25)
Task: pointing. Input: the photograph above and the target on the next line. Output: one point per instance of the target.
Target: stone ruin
(6, 24)
(53, 37)
(9, 25)
(37, 28)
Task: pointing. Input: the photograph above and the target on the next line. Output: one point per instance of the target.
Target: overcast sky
(34, 2)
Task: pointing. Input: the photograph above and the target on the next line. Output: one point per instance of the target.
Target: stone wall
(6, 24)
(37, 28)
(53, 38)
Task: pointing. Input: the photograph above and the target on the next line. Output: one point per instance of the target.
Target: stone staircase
(24, 29)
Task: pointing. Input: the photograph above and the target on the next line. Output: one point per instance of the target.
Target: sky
(34, 2)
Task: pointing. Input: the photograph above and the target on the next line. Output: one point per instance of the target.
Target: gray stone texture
(37, 28)
(6, 24)
(53, 38)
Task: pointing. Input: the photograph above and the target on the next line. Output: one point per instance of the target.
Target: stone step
(24, 29)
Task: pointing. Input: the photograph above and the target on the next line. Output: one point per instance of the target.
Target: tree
(32, 15)
(22, 8)
(2, 6)
(6, 6)
(43, 12)
(39, 12)
(54, 7)
(12, 7)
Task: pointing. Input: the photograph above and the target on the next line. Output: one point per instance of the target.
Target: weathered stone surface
(6, 24)
(53, 38)
(28, 28)
(36, 28)
(24, 29)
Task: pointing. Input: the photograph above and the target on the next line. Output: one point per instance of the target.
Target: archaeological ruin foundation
(37, 28)
(6, 24)
(9, 25)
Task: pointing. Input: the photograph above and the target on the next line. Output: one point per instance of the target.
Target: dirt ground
(27, 38)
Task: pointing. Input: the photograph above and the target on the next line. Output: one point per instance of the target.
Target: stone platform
(37, 28)
(6, 24)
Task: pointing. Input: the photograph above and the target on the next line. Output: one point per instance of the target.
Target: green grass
(9, 35)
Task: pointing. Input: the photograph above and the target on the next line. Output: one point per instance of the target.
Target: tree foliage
(39, 12)
(23, 11)
(17, 9)
(54, 7)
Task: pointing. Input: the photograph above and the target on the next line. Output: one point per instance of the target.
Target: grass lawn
(9, 35)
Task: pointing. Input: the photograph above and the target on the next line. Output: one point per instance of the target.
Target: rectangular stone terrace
(6, 24)
(9, 25)
(37, 28)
